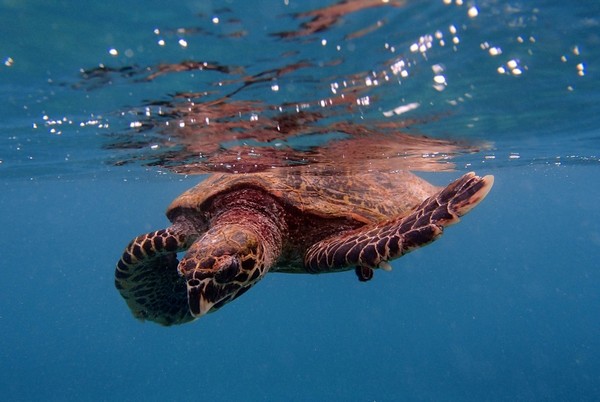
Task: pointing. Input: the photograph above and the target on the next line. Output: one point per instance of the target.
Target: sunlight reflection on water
(232, 88)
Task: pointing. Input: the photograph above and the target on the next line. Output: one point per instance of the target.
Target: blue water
(504, 307)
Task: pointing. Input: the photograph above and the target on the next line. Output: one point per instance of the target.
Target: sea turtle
(238, 227)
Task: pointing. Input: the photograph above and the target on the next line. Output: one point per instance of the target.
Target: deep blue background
(504, 305)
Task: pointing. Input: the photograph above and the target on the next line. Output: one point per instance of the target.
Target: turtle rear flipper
(372, 246)
(147, 278)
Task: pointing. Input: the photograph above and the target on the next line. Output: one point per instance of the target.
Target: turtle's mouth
(206, 296)
(197, 303)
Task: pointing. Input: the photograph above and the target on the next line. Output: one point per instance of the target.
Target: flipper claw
(385, 266)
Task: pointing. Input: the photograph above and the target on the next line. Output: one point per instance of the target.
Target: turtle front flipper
(147, 277)
(372, 246)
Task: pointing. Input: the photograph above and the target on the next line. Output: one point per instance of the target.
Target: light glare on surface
(473, 12)
(401, 109)
(495, 51)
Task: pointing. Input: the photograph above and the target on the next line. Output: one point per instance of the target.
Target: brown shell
(364, 197)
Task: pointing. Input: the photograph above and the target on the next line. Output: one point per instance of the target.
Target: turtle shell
(363, 197)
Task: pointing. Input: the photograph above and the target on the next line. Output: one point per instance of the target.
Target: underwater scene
(327, 139)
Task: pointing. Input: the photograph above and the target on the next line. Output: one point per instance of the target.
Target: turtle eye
(228, 271)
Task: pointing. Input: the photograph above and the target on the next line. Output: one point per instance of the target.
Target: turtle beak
(207, 296)
(198, 303)
(205, 306)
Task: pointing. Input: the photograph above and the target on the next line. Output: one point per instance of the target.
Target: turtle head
(221, 266)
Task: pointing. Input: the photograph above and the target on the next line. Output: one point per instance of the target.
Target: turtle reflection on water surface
(237, 228)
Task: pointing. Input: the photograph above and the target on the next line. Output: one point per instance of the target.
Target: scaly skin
(146, 276)
(372, 246)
